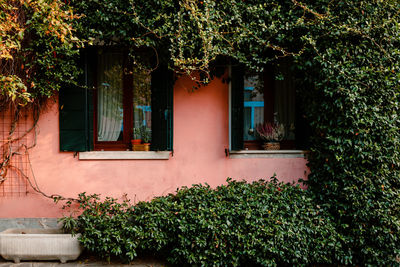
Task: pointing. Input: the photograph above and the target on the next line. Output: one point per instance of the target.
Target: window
(257, 99)
(122, 100)
(117, 97)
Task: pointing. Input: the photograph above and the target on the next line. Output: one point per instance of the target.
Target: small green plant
(136, 133)
(145, 133)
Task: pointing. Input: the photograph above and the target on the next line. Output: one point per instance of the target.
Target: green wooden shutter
(73, 114)
(90, 66)
(237, 105)
(162, 83)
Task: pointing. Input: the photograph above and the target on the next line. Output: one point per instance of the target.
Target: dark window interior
(271, 97)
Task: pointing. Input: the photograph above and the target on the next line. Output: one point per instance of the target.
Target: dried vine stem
(7, 146)
(35, 186)
(10, 151)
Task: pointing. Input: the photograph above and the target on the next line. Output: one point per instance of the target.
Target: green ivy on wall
(352, 104)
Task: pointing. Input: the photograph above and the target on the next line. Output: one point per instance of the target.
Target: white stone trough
(39, 244)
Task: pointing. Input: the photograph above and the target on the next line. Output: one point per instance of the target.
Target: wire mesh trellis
(14, 163)
(14, 124)
(19, 113)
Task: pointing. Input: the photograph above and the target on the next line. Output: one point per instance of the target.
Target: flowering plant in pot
(271, 134)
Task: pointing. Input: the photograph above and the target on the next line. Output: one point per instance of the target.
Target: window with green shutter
(115, 103)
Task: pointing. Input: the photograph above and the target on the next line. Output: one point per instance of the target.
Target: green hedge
(263, 223)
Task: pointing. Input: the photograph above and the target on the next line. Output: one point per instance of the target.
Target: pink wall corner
(201, 129)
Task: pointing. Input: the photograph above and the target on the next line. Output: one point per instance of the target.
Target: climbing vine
(345, 58)
(37, 50)
(37, 47)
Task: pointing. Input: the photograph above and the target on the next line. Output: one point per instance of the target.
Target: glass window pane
(142, 99)
(284, 102)
(248, 130)
(253, 107)
(109, 96)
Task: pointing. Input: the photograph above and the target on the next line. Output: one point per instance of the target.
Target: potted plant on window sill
(146, 137)
(136, 137)
(271, 134)
(142, 139)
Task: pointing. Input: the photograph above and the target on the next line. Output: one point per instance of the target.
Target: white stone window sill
(248, 154)
(124, 155)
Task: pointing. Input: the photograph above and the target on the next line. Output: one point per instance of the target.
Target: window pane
(109, 96)
(283, 94)
(141, 98)
(253, 107)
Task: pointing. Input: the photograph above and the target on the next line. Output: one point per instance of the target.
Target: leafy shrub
(105, 226)
(263, 223)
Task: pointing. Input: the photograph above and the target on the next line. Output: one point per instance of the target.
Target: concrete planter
(38, 244)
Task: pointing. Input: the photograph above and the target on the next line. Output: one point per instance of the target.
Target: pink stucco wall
(201, 129)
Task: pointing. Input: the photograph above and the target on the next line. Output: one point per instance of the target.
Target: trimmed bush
(262, 223)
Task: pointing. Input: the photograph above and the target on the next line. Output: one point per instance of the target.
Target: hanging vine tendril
(37, 52)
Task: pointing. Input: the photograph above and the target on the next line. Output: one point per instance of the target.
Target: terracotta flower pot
(136, 141)
(146, 146)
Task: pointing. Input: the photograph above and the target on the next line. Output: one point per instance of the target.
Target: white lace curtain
(109, 100)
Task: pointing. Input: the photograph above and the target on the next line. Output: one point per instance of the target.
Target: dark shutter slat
(90, 66)
(237, 102)
(72, 119)
(162, 109)
(73, 116)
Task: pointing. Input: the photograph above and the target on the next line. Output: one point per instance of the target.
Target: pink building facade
(201, 154)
